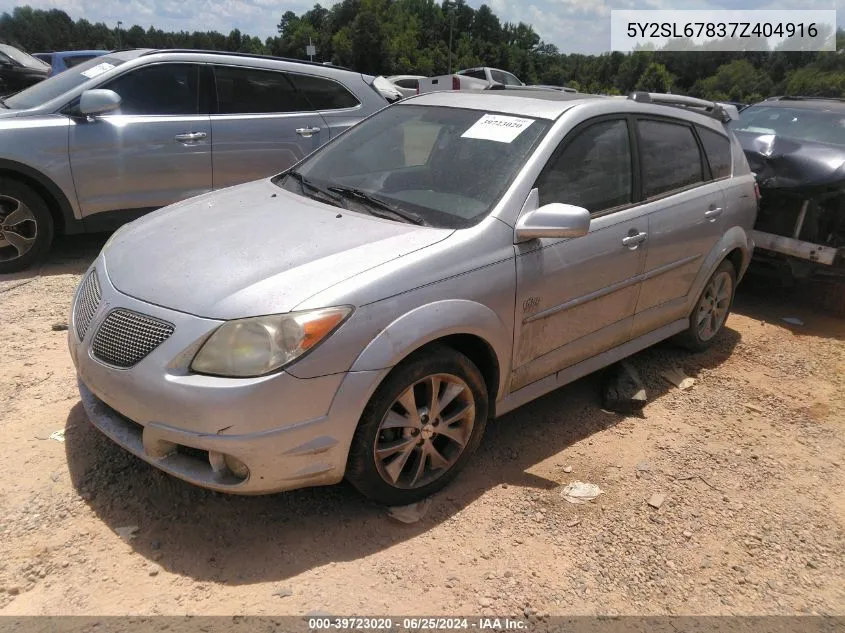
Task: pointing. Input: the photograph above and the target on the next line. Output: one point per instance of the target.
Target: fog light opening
(223, 464)
(237, 467)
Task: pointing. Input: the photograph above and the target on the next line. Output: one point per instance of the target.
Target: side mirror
(95, 102)
(554, 220)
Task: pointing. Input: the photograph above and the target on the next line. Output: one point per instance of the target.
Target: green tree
(655, 78)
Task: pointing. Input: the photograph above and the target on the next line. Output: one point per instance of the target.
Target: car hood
(784, 163)
(251, 249)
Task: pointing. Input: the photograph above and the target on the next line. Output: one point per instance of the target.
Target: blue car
(61, 61)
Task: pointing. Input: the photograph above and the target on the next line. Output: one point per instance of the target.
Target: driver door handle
(712, 214)
(307, 131)
(632, 241)
(190, 136)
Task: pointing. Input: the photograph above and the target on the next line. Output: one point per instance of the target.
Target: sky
(574, 26)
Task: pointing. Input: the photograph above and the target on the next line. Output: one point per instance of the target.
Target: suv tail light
(456, 82)
(757, 192)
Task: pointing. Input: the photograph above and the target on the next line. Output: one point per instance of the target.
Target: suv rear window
(670, 157)
(76, 60)
(717, 147)
(475, 74)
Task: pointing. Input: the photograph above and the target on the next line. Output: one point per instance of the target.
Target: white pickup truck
(469, 79)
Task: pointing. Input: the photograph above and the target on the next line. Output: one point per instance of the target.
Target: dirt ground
(750, 461)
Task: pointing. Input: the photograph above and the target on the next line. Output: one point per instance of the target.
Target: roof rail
(720, 111)
(244, 55)
(800, 98)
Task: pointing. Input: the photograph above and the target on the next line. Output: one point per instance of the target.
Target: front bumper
(289, 432)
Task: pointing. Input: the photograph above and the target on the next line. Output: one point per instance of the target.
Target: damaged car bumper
(246, 435)
(802, 205)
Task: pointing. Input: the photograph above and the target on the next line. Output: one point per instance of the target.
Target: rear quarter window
(717, 147)
(324, 94)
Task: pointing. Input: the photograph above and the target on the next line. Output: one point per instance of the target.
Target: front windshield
(57, 85)
(446, 166)
(801, 124)
(24, 59)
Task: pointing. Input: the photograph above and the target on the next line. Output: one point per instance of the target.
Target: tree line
(424, 37)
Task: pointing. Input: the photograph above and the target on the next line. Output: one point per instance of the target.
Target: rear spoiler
(723, 112)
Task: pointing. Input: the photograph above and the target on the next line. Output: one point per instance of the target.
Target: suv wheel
(26, 226)
(711, 310)
(419, 429)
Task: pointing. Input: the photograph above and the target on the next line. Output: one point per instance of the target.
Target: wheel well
(479, 352)
(49, 199)
(736, 258)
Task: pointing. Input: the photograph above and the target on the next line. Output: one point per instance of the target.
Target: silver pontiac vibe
(448, 259)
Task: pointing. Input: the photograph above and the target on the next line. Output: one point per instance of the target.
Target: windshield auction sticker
(97, 70)
(495, 127)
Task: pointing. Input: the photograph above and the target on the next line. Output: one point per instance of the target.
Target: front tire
(26, 226)
(419, 429)
(711, 311)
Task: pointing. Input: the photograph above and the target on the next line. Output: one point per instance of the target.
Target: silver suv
(132, 131)
(447, 260)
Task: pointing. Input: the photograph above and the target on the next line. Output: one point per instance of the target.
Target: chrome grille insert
(126, 337)
(87, 303)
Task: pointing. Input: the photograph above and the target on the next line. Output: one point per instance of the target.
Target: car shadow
(244, 540)
(70, 255)
(760, 298)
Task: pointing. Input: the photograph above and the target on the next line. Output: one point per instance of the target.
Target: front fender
(433, 321)
(734, 238)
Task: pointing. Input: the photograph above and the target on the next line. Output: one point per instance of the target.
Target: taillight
(757, 191)
(456, 83)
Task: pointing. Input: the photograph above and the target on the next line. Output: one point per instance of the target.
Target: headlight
(260, 345)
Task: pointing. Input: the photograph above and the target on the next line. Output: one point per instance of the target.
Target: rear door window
(669, 155)
(717, 147)
(256, 91)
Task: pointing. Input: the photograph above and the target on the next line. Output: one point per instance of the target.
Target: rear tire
(408, 445)
(26, 226)
(711, 310)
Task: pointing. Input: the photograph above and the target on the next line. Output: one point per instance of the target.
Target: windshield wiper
(318, 193)
(386, 210)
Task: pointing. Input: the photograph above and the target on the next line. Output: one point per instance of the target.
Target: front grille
(86, 304)
(126, 337)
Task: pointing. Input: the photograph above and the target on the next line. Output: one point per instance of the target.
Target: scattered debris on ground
(411, 513)
(678, 378)
(579, 492)
(127, 532)
(657, 500)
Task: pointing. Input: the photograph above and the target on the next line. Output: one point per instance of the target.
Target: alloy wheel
(18, 229)
(714, 305)
(424, 431)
